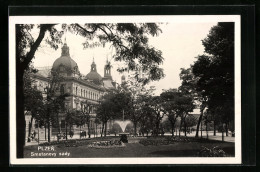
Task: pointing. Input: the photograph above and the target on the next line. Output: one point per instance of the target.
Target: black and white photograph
(125, 89)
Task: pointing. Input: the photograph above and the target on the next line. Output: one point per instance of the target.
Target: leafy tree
(54, 102)
(190, 121)
(147, 120)
(136, 96)
(107, 110)
(177, 104)
(33, 99)
(216, 71)
(169, 98)
(166, 126)
(86, 110)
(157, 111)
(129, 39)
(189, 86)
(116, 129)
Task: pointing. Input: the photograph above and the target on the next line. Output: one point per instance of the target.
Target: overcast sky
(179, 42)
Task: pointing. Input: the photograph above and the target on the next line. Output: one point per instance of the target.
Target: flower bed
(68, 143)
(88, 142)
(170, 140)
(107, 144)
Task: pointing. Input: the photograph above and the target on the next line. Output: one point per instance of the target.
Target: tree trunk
(214, 128)
(198, 125)
(30, 129)
(80, 132)
(20, 118)
(207, 129)
(66, 130)
(135, 125)
(172, 130)
(96, 131)
(102, 129)
(222, 132)
(226, 129)
(49, 131)
(173, 126)
(157, 128)
(88, 130)
(105, 134)
(45, 131)
(180, 128)
(201, 129)
(185, 127)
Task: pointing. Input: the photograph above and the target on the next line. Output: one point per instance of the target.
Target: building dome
(93, 75)
(65, 60)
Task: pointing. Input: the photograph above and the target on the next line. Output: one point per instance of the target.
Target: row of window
(87, 94)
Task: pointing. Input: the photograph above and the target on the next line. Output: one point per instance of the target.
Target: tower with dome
(81, 90)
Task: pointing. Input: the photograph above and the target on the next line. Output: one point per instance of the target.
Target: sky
(179, 42)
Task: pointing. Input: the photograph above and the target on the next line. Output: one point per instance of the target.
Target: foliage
(166, 140)
(116, 128)
(211, 152)
(216, 70)
(129, 39)
(108, 107)
(33, 99)
(177, 104)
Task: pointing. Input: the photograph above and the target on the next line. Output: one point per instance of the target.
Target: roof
(95, 77)
(108, 84)
(44, 71)
(65, 60)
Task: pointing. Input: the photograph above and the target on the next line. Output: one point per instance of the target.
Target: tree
(189, 86)
(129, 39)
(169, 98)
(54, 102)
(136, 95)
(158, 112)
(216, 71)
(107, 110)
(116, 129)
(86, 109)
(33, 99)
(147, 119)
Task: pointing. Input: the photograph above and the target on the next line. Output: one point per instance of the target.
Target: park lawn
(178, 149)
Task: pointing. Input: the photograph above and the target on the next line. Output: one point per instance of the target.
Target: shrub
(211, 152)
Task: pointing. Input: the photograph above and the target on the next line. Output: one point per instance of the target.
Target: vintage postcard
(125, 89)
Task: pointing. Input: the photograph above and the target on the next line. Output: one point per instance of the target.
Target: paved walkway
(210, 136)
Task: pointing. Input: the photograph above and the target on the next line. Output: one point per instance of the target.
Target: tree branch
(85, 30)
(30, 54)
(113, 39)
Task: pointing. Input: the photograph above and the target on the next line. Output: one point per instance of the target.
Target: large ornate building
(81, 89)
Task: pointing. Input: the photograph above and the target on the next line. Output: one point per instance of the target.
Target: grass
(135, 149)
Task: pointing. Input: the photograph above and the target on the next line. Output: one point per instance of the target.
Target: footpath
(211, 136)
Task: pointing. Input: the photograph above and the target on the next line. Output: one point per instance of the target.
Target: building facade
(81, 90)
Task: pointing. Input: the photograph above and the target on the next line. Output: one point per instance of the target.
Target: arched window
(84, 93)
(76, 90)
(81, 93)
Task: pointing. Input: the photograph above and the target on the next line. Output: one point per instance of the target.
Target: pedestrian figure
(34, 134)
(71, 134)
